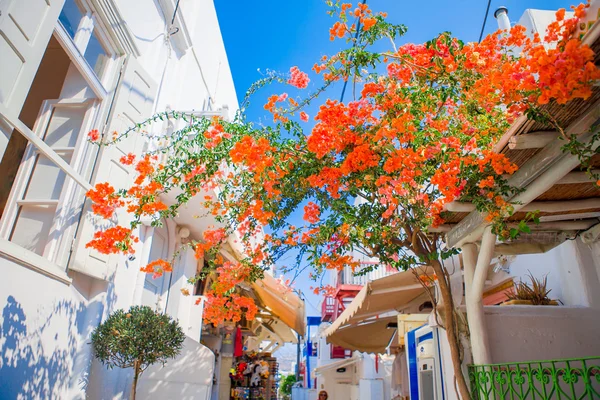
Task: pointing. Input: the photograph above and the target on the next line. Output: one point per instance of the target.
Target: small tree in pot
(137, 339)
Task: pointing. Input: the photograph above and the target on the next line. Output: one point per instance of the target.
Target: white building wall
(45, 324)
(528, 333)
(569, 269)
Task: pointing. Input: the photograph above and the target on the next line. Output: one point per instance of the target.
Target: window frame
(57, 250)
(53, 250)
(75, 48)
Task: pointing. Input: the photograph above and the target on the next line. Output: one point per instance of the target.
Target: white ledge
(33, 261)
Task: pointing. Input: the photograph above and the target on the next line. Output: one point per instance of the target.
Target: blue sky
(279, 34)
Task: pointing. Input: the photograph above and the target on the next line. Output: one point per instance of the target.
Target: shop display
(253, 377)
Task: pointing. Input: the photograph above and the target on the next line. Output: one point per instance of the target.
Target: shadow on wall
(37, 358)
(189, 376)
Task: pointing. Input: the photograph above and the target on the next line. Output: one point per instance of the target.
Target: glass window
(96, 55)
(70, 17)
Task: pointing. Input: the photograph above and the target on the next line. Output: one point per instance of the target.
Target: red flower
(93, 135)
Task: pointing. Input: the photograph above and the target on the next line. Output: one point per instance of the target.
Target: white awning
(337, 364)
(372, 336)
(380, 296)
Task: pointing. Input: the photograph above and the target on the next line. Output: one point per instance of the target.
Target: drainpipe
(298, 358)
(501, 15)
(476, 269)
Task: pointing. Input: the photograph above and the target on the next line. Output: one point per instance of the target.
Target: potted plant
(535, 294)
(137, 339)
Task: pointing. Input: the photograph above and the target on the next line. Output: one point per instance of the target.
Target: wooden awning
(280, 301)
(275, 297)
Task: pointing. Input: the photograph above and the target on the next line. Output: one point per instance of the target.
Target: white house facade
(69, 67)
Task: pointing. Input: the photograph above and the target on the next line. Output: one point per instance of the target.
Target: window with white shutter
(46, 160)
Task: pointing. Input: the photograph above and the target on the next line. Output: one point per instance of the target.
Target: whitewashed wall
(571, 273)
(528, 333)
(183, 78)
(189, 376)
(45, 324)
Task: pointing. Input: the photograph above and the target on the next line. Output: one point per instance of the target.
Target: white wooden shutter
(133, 103)
(25, 30)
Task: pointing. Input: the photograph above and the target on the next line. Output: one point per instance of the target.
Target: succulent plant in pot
(535, 293)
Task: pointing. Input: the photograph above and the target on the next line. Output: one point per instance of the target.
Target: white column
(181, 306)
(476, 269)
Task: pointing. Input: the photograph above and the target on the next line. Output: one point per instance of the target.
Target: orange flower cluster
(212, 239)
(271, 106)
(116, 239)
(127, 159)
(157, 268)
(338, 262)
(312, 213)
(153, 207)
(230, 274)
(215, 134)
(104, 200)
(253, 154)
(144, 168)
(222, 303)
(231, 308)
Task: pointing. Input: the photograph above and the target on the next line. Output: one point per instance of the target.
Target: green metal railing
(569, 379)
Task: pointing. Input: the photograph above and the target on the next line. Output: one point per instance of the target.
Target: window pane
(47, 180)
(65, 126)
(96, 55)
(33, 227)
(70, 17)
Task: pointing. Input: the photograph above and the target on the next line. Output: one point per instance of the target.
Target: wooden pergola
(552, 181)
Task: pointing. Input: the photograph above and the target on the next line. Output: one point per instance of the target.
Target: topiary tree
(137, 339)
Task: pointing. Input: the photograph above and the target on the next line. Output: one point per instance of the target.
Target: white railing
(347, 277)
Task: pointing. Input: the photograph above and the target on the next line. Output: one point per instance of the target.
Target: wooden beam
(544, 226)
(471, 227)
(533, 140)
(578, 177)
(579, 225)
(543, 206)
(570, 217)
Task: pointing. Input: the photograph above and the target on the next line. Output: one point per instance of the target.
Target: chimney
(501, 15)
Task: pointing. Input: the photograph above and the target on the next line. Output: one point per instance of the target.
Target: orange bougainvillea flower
(311, 213)
(157, 268)
(104, 200)
(419, 135)
(368, 23)
(127, 159)
(113, 240)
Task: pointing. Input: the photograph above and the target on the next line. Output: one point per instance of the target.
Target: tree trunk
(451, 329)
(136, 374)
